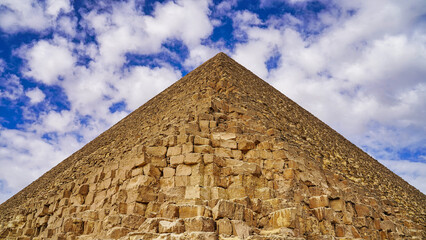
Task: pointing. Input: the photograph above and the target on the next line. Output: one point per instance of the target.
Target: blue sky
(71, 69)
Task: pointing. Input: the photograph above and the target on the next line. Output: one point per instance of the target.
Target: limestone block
(136, 208)
(173, 151)
(247, 169)
(169, 211)
(176, 160)
(232, 144)
(158, 161)
(279, 154)
(199, 224)
(340, 230)
(151, 170)
(362, 210)
(318, 201)
(203, 149)
(224, 209)
(84, 189)
(177, 226)
(187, 148)
(201, 141)
(274, 164)
(236, 192)
(263, 193)
(224, 226)
(74, 225)
(245, 145)
(135, 161)
(197, 169)
(141, 180)
(117, 232)
(193, 158)
(319, 213)
(288, 174)
(223, 136)
(136, 172)
(218, 193)
(204, 126)
(132, 221)
(189, 211)
(122, 208)
(197, 192)
(157, 151)
(282, 218)
(181, 139)
(223, 152)
(168, 172)
(387, 225)
(240, 229)
(197, 179)
(183, 170)
(337, 205)
(142, 194)
(182, 181)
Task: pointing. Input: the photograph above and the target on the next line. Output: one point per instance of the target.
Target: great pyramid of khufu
(220, 154)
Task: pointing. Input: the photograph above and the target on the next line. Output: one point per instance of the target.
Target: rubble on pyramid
(218, 155)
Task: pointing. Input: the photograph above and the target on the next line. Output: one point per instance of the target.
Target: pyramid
(220, 154)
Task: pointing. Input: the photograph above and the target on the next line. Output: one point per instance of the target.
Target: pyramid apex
(221, 56)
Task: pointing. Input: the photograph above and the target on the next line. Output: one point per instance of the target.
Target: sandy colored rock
(218, 155)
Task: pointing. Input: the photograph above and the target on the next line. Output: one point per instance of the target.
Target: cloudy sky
(69, 69)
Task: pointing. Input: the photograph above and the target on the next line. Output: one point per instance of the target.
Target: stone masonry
(218, 155)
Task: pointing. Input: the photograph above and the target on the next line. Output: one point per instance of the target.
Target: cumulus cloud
(35, 95)
(10, 87)
(16, 16)
(49, 60)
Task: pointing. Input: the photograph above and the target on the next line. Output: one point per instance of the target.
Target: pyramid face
(218, 155)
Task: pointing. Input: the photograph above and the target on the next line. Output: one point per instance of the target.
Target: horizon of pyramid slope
(262, 145)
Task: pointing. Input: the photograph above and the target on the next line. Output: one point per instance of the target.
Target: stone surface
(218, 155)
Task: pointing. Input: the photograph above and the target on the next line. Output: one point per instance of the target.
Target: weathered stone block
(203, 149)
(193, 158)
(176, 160)
(197, 192)
(132, 221)
(224, 136)
(171, 227)
(263, 193)
(173, 151)
(168, 172)
(224, 209)
(183, 170)
(236, 192)
(201, 141)
(318, 201)
(245, 145)
(337, 205)
(240, 229)
(117, 232)
(218, 193)
(157, 151)
(189, 211)
(199, 224)
(224, 226)
(282, 218)
(362, 210)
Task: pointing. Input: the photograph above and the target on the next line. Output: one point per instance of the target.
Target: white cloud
(54, 7)
(48, 60)
(16, 16)
(35, 95)
(12, 88)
